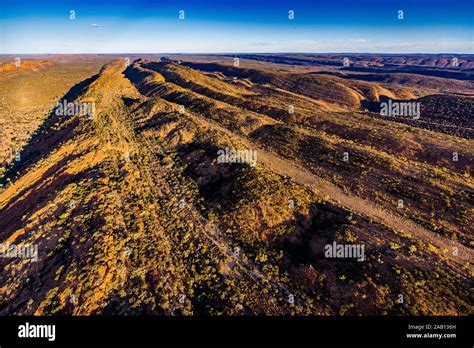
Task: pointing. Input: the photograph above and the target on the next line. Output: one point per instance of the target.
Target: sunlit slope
(28, 92)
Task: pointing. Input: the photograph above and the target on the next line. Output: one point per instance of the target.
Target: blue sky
(146, 26)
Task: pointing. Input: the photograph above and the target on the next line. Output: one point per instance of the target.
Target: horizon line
(233, 53)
